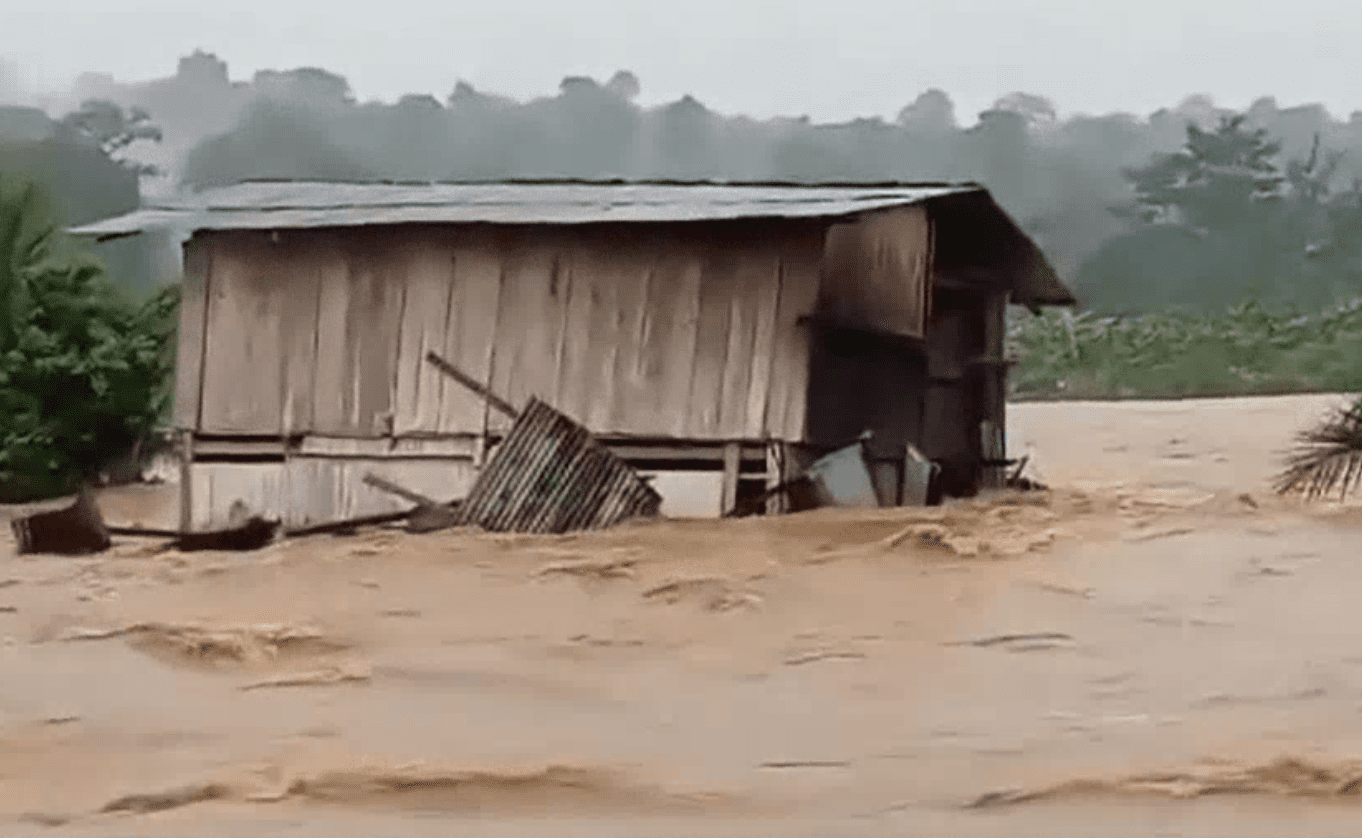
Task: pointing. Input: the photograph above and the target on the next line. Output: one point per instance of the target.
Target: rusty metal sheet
(549, 475)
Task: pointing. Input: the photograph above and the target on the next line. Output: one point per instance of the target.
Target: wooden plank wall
(307, 491)
(214, 487)
(190, 335)
(527, 337)
(333, 392)
(243, 360)
(956, 339)
(877, 271)
(684, 333)
(419, 391)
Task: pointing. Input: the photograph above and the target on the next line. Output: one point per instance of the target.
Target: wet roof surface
(292, 204)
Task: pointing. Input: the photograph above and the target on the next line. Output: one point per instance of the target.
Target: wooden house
(720, 332)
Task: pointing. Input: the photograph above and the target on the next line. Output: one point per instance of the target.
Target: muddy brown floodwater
(1158, 646)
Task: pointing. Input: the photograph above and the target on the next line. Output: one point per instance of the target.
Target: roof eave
(191, 220)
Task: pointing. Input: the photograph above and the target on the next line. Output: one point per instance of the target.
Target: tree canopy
(84, 373)
(114, 129)
(1213, 181)
(1223, 220)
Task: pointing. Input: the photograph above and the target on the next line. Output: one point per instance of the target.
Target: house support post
(777, 472)
(995, 431)
(732, 466)
(185, 447)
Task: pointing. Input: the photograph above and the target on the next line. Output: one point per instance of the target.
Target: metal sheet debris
(842, 478)
(918, 473)
(549, 475)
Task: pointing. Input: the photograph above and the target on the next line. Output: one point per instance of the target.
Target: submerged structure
(717, 337)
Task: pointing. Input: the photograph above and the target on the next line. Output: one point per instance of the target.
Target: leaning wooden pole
(473, 384)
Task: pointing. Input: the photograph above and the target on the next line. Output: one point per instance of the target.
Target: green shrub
(1245, 350)
(84, 373)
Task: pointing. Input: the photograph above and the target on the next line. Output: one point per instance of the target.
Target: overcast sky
(829, 59)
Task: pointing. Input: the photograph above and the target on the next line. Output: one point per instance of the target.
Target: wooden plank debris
(471, 383)
(254, 533)
(428, 516)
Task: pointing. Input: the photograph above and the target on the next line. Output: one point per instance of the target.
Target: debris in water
(1059, 587)
(44, 819)
(143, 804)
(1326, 458)
(348, 673)
(814, 657)
(474, 789)
(75, 530)
(1128, 501)
(254, 534)
(1285, 777)
(1260, 569)
(1052, 638)
(94, 634)
(715, 592)
(428, 516)
(245, 644)
(616, 567)
(1169, 532)
(588, 640)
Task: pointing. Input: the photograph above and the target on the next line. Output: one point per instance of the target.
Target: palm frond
(1327, 457)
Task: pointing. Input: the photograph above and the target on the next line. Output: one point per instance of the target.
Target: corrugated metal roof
(293, 204)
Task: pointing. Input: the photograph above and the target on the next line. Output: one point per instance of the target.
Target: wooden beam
(461, 447)
(204, 448)
(947, 282)
(392, 488)
(975, 278)
(681, 451)
(822, 320)
(349, 525)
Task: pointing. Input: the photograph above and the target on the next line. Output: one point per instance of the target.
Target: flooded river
(1157, 646)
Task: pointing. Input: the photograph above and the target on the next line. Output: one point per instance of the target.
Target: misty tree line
(1193, 205)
